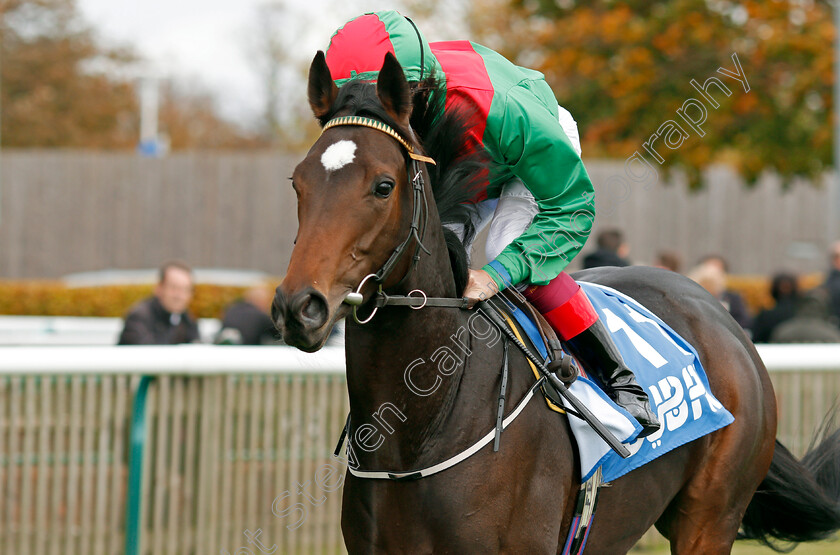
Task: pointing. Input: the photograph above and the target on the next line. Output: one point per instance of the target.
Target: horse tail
(798, 501)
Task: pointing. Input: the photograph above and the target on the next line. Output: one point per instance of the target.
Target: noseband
(420, 209)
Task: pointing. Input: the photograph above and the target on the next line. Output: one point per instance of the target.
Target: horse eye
(384, 189)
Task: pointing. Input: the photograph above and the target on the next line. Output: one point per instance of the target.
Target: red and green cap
(357, 49)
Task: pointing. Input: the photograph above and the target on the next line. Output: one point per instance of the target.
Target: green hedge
(756, 289)
(46, 298)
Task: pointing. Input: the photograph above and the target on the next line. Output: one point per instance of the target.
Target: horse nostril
(313, 310)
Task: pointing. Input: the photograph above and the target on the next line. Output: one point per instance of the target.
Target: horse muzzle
(302, 317)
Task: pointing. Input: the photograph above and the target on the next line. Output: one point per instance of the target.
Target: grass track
(751, 548)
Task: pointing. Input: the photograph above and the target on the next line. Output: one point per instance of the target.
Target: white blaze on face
(338, 155)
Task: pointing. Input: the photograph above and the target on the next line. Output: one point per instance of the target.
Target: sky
(209, 44)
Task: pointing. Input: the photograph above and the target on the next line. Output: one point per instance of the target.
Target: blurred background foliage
(623, 68)
(52, 298)
(50, 94)
(60, 87)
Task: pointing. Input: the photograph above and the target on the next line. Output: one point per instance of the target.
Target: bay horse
(358, 199)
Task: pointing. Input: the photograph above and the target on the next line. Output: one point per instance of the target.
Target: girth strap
(587, 502)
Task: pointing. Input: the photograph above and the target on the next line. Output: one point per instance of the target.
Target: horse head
(354, 200)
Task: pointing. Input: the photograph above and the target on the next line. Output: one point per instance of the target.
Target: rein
(495, 316)
(490, 311)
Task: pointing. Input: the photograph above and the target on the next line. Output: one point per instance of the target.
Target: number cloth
(669, 370)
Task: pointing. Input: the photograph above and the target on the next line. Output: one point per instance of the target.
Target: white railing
(76, 330)
(215, 360)
(800, 357)
(92, 454)
(172, 360)
(54, 331)
(97, 458)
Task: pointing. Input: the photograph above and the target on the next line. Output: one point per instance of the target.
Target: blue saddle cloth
(669, 370)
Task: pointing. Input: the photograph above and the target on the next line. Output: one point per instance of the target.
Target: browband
(379, 126)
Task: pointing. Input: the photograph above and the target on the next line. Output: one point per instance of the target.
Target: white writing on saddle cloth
(614, 323)
(677, 400)
(673, 395)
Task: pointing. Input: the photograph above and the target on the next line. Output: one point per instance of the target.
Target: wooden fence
(223, 455)
(69, 211)
(221, 450)
(227, 454)
(72, 211)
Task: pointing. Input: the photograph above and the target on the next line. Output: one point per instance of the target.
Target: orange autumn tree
(51, 94)
(625, 67)
(60, 87)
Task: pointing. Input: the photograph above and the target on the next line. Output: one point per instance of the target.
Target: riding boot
(600, 357)
(567, 308)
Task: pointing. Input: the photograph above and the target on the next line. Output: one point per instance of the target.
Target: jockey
(539, 200)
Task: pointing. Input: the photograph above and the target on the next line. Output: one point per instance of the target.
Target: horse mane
(461, 168)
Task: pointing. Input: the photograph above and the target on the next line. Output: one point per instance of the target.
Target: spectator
(812, 323)
(247, 321)
(163, 319)
(832, 282)
(715, 260)
(711, 278)
(668, 260)
(711, 274)
(785, 291)
(612, 250)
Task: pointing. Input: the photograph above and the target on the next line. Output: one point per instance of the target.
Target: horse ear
(321, 90)
(392, 89)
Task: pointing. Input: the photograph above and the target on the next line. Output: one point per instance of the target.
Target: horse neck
(397, 341)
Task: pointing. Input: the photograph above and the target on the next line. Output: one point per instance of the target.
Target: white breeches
(511, 214)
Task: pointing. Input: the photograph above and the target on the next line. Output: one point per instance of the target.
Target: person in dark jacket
(785, 291)
(163, 319)
(246, 322)
(812, 323)
(832, 282)
(612, 250)
(711, 273)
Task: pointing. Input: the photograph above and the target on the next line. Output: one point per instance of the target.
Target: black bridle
(417, 231)
(415, 177)
(419, 219)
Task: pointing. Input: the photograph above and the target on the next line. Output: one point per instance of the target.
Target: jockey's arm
(532, 144)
